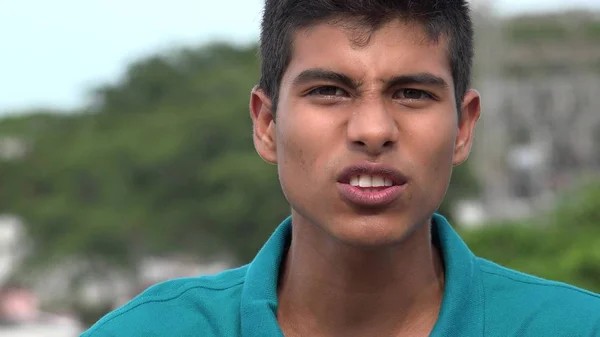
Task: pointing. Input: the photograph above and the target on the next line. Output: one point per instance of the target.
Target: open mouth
(371, 185)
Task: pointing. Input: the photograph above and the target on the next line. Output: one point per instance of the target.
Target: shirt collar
(462, 305)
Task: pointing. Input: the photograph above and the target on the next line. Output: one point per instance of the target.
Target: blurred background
(126, 156)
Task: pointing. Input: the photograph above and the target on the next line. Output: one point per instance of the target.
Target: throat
(335, 291)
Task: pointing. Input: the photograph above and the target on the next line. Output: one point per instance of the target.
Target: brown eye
(328, 91)
(412, 94)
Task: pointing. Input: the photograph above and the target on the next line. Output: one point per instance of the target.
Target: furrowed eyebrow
(317, 74)
(422, 79)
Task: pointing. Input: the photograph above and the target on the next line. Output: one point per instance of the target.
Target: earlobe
(471, 111)
(263, 125)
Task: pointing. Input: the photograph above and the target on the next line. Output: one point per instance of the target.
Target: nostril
(373, 146)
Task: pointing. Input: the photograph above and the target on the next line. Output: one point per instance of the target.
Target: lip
(371, 197)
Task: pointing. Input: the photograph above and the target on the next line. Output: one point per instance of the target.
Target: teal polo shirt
(480, 299)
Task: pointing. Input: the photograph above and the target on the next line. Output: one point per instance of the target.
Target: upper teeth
(365, 180)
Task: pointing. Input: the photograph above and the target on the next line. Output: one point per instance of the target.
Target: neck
(333, 289)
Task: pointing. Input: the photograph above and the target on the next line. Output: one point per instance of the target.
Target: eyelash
(426, 94)
(314, 92)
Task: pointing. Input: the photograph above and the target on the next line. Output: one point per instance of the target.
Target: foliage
(164, 165)
(550, 28)
(592, 30)
(535, 32)
(564, 245)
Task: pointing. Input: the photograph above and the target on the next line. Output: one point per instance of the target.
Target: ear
(470, 113)
(263, 125)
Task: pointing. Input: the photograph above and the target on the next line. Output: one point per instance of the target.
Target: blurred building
(20, 315)
(540, 130)
(11, 245)
(18, 304)
(20, 309)
(12, 148)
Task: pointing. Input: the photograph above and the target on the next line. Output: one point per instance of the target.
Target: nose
(372, 129)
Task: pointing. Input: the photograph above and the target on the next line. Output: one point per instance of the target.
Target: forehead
(395, 48)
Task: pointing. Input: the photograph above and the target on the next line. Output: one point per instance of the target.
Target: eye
(412, 94)
(328, 91)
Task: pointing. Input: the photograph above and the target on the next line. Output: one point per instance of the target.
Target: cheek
(307, 154)
(296, 159)
(301, 143)
(433, 156)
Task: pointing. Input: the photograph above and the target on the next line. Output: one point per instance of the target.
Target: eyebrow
(318, 74)
(424, 79)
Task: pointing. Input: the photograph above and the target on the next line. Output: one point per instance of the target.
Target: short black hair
(450, 19)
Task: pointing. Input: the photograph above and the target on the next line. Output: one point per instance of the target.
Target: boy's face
(371, 114)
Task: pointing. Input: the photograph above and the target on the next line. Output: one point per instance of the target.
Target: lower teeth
(373, 189)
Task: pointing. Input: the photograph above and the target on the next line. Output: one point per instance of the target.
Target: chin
(372, 230)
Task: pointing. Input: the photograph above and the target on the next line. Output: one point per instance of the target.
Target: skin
(353, 271)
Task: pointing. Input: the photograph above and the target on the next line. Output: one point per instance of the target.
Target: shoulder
(178, 307)
(534, 305)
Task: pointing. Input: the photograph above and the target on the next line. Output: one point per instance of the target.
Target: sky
(52, 53)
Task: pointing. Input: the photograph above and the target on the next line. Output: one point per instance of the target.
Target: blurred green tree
(562, 245)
